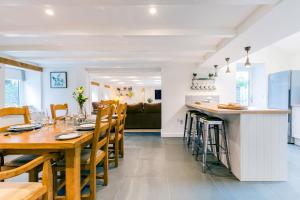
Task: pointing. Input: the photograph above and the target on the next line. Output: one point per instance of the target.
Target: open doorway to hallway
(139, 88)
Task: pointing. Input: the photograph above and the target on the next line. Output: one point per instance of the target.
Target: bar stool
(218, 125)
(195, 128)
(188, 123)
(198, 137)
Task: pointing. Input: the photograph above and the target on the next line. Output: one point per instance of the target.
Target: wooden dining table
(43, 141)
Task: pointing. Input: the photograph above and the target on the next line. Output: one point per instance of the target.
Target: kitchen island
(257, 141)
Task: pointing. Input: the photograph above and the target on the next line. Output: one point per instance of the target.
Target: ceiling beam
(109, 32)
(19, 64)
(113, 48)
(133, 2)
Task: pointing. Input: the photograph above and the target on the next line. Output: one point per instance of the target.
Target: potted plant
(149, 100)
(79, 96)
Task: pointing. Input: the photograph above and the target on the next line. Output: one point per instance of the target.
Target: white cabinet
(296, 124)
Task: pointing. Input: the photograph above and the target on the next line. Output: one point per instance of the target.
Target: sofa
(140, 116)
(143, 116)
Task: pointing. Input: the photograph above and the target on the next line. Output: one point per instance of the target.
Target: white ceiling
(120, 33)
(290, 44)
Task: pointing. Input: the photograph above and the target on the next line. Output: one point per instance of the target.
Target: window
(242, 87)
(12, 92)
(251, 85)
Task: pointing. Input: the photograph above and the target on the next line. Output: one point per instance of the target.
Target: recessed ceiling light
(139, 83)
(114, 80)
(49, 11)
(121, 83)
(106, 77)
(152, 11)
(136, 80)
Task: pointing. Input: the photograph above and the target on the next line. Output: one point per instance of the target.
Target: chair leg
(33, 175)
(185, 125)
(93, 184)
(116, 147)
(205, 140)
(121, 145)
(105, 170)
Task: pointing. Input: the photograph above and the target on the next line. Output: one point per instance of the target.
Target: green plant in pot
(79, 96)
(149, 100)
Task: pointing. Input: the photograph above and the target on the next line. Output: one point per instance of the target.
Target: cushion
(95, 105)
(16, 191)
(135, 108)
(152, 108)
(21, 160)
(84, 157)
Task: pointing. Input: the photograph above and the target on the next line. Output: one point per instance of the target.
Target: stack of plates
(24, 127)
(86, 127)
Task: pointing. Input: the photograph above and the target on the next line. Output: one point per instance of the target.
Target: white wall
(77, 76)
(140, 93)
(2, 74)
(176, 83)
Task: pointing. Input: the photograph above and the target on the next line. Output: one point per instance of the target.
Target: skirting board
(165, 134)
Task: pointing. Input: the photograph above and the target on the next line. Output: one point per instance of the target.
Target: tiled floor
(163, 169)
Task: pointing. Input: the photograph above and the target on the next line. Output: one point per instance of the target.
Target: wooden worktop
(213, 108)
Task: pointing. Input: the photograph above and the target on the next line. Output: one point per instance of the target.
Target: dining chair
(58, 107)
(28, 190)
(14, 111)
(91, 157)
(117, 135)
(20, 160)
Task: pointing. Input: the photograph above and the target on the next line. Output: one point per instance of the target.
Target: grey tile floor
(163, 169)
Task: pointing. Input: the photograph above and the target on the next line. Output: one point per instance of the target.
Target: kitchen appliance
(284, 92)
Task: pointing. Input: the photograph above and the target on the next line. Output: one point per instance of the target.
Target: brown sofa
(140, 116)
(143, 116)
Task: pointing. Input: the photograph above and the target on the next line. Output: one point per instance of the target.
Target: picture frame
(58, 80)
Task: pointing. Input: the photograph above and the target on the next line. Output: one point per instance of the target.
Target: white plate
(67, 136)
(23, 126)
(87, 126)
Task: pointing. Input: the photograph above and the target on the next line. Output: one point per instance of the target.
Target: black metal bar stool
(218, 125)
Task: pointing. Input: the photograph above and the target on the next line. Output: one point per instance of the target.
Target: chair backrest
(121, 113)
(11, 111)
(101, 132)
(58, 107)
(115, 103)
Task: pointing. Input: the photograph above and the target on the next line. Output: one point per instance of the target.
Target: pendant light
(227, 61)
(216, 70)
(247, 63)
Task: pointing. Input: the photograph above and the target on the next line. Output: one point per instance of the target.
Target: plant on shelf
(79, 96)
(149, 100)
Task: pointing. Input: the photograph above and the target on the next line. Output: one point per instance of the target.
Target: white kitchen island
(257, 141)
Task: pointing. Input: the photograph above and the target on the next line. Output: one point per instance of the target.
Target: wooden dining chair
(91, 157)
(20, 160)
(117, 136)
(58, 107)
(29, 190)
(14, 111)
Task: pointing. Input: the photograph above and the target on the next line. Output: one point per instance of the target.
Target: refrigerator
(284, 92)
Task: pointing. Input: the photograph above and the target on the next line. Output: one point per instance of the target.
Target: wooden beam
(95, 83)
(15, 63)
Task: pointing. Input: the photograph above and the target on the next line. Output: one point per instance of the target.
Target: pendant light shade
(216, 70)
(228, 69)
(247, 63)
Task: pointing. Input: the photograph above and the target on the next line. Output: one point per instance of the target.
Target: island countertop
(213, 108)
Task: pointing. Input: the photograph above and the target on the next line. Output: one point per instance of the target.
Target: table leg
(72, 157)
